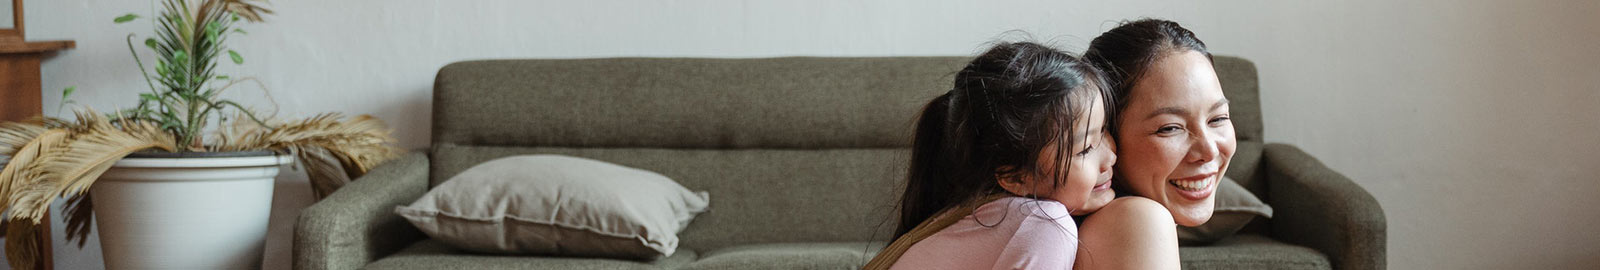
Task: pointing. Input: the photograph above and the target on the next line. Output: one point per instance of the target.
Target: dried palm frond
(246, 9)
(22, 249)
(332, 151)
(80, 211)
(100, 146)
(13, 135)
(12, 176)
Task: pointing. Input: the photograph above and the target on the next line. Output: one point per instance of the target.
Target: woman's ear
(1012, 182)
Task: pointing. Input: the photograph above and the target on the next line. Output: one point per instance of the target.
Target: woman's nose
(1204, 148)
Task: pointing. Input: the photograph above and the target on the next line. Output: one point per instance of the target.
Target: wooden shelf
(35, 47)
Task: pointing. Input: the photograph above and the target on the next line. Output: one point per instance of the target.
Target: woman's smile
(1195, 188)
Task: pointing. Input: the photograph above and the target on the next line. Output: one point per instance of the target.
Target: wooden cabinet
(20, 92)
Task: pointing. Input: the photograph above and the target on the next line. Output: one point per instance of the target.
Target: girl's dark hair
(1007, 106)
(1126, 52)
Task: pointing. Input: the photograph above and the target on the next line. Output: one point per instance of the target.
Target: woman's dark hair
(1126, 52)
(1006, 107)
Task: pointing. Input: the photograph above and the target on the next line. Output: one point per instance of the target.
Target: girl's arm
(1045, 240)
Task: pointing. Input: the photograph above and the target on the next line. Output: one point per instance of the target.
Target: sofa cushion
(837, 255)
(433, 254)
(558, 205)
(1251, 251)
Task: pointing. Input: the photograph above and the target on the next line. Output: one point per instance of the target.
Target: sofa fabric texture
(805, 156)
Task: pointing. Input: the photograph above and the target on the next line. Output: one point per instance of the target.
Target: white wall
(7, 20)
(1473, 122)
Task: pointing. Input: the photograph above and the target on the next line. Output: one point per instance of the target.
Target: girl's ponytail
(930, 166)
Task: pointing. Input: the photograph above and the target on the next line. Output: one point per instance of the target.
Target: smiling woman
(1172, 128)
(1176, 136)
(1172, 131)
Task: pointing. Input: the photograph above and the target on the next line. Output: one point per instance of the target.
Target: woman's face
(1175, 136)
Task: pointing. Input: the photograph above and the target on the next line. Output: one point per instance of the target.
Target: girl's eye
(1168, 130)
(1086, 150)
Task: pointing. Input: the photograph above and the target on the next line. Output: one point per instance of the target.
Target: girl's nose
(1111, 155)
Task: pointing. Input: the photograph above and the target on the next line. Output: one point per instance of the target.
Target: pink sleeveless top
(1009, 233)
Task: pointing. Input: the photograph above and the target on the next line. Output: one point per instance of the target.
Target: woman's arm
(1129, 233)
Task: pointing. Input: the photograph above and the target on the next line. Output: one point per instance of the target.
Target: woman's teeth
(1191, 185)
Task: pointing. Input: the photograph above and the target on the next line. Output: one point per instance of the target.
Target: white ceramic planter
(185, 213)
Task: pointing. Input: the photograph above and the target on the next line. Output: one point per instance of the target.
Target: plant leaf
(213, 28)
(222, 77)
(181, 57)
(161, 68)
(125, 18)
(236, 58)
(150, 42)
(68, 92)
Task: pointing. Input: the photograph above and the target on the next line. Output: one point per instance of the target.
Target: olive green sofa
(802, 156)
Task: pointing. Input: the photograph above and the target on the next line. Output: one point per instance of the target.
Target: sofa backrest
(1239, 84)
(796, 149)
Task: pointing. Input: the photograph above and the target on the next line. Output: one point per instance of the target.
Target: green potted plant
(184, 179)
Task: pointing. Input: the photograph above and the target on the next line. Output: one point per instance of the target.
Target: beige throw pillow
(558, 205)
(1236, 207)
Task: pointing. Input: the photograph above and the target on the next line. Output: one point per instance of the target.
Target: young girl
(1001, 162)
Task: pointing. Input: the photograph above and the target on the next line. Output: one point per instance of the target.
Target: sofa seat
(433, 254)
(1250, 251)
(839, 255)
(1239, 252)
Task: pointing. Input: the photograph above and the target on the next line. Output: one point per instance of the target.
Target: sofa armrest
(357, 225)
(1317, 207)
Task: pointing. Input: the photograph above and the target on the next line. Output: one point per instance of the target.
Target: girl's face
(1087, 186)
(1175, 136)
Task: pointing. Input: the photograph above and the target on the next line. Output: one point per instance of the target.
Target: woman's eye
(1085, 150)
(1218, 121)
(1168, 130)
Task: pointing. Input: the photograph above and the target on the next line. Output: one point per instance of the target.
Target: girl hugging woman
(1002, 162)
